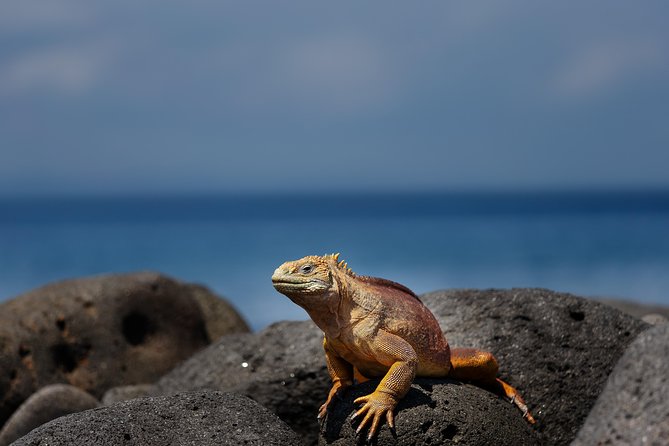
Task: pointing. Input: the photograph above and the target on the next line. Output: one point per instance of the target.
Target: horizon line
(267, 193)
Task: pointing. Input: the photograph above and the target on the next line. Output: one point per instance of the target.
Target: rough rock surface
(281, 367)
(557, 349)
(220, 317)
(49, 402)
(197, 418)
(634, 406)
(435, 412)
(96, 333)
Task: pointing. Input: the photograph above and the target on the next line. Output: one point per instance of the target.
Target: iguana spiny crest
(341, 264)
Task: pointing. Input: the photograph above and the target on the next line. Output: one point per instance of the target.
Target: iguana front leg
(394, 352)
(341, 373)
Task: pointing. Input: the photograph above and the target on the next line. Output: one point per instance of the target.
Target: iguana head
(308, 276)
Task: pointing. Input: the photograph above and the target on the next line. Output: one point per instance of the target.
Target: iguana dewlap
(376, 328)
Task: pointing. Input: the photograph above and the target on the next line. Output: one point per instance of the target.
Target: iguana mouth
(283, 282)
(301, 285)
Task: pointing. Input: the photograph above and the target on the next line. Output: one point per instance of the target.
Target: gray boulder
(220, 317)
(197, 418)
(124, 393)
(555, 348)
(634, 406)
(46, 404)
(281, 367)
(636, 309)
(96, 333)
(435, 411)
(654, 319)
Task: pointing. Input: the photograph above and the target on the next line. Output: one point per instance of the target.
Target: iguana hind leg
(358, 376)
(480, 367)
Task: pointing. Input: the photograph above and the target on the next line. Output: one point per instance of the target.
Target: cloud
(233, 94)
(600, 67)
(26, 15)
(341, 71)
(58, 69)
(323, 73)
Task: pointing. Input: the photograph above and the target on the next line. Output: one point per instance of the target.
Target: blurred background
(440, 144)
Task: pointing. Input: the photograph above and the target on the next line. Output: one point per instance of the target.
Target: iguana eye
(306, 269)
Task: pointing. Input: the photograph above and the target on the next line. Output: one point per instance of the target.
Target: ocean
(600, 244)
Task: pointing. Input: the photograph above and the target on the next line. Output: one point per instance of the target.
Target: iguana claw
(375, 406)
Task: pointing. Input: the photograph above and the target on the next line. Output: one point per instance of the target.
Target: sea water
(613, 244)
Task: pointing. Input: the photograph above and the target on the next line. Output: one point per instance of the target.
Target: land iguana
(376, 328)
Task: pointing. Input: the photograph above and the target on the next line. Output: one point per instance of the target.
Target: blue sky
(190, 96)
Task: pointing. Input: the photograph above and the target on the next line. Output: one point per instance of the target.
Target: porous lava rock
(282, 367)
(633, 408)
(47, 403)
(195, 418)
(435, 411)
(555, 348)
(96, 333)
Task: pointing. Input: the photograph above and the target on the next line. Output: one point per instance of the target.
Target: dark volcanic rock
(198, 418)
(634, 406)
(282, 368)
(435, 412)
(96, 333)
(557, 349)
(49, 402)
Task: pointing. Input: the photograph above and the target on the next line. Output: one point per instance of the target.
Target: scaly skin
(375, 328)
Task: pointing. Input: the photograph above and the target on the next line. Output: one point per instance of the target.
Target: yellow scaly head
(309, 275)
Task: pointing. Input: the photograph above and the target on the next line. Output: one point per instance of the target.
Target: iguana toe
(375, 407)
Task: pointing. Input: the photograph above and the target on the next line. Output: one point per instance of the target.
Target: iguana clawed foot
(526, 412)
(375, 406)
(322, 411)
(515, 398)
(520, 403)
(337, 387)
